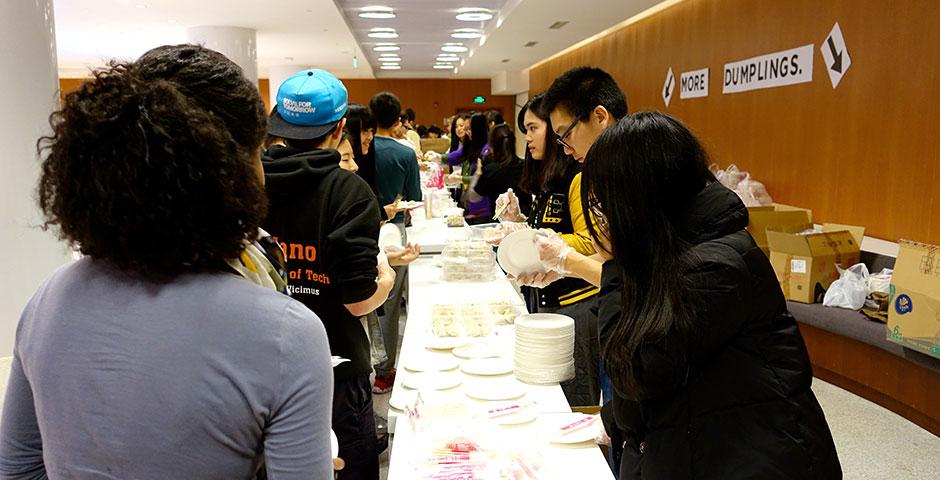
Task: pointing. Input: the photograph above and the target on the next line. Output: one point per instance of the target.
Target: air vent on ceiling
(530, 44)
(505, 60)
(557, 25)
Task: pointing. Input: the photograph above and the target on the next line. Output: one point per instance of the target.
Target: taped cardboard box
(914, 308)
(806, 264)
(778, 217)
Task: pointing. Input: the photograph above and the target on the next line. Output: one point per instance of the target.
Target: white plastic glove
(553, 251)
(507, 204)
(537, 279)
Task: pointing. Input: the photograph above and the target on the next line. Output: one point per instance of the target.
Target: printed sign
(693, 84)
(835, 55)
(669, 87)
(778, 69)
(798, 266)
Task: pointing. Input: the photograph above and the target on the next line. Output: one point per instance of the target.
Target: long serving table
(425, 289)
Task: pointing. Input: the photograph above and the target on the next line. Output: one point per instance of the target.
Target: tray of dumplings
(468, 261)
(471, 319)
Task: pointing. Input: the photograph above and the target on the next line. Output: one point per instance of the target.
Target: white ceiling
(328, 33)
(310, 32)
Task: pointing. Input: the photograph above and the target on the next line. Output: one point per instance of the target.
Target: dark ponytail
(151, 164)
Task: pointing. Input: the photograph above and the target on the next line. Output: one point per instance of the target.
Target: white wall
(28, 93)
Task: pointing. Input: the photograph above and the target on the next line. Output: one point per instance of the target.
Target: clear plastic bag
(850, 290)
(752, 192)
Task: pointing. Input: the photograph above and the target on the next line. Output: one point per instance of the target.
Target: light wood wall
(866, 153)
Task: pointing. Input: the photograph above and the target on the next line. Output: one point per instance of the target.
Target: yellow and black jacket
(559, 209)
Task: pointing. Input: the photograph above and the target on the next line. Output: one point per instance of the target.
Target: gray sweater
(200, 378)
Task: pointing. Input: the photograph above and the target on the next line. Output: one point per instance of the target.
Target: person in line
(397, 177)
(501, 170)
(149, 357)
(459, 127)
(555, 181)
(328, 220)
(435, 132)
(347, 158)
(475, 145)
(422, 131)
(711, 373)
(494, 119)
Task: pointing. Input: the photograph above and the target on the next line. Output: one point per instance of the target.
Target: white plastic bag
(850, 290)
(880, 282)
(731, 176)
(752, 192)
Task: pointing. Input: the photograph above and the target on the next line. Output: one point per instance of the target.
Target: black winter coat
(731, 399)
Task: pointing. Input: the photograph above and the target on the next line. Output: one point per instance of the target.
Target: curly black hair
(151, 164)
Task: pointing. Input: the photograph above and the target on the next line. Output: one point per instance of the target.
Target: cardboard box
(914, 308)
(806, 264)
(778, 217)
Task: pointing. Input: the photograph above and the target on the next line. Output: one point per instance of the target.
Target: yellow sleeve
(580, 240)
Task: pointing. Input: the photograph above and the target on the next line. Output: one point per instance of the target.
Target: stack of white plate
(544, 350)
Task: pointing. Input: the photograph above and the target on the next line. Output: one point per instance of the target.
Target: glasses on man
(561, 138)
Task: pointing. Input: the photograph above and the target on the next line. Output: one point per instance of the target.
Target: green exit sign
(479, 99)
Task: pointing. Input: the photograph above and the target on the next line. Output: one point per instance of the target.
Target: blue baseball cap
(309, 105)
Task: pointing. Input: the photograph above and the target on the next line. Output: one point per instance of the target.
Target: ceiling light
(393, 58)
(388, 55)
(448, 57)
(377, 12)
(380, 32)
(386, 47)
(454, 48)
(440, 66)
(390, 67)
(466, 33)
(557, 25)
(474, 14)
(141, 6)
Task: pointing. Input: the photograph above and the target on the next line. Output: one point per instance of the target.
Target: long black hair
(473, 146)
(640, 178)
(502, 141)
(359, 119)
(538, 175)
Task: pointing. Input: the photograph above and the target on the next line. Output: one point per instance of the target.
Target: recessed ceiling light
(454, 48)
(377, 12)
(390, 67)
(474, 14)
(380, 32)
(389, 59)
(140, 6)
(443, 67)
(388, 54)
(171, 21)
(447, 60)
(386, 47)
(466, 33)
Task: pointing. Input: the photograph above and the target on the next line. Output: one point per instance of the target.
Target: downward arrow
(668, 87)
(837, 63)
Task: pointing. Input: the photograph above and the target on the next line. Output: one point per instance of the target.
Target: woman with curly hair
(150, 358)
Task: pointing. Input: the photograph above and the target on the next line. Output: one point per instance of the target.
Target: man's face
(580, 136)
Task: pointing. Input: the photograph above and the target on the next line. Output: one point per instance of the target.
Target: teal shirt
(396, 173)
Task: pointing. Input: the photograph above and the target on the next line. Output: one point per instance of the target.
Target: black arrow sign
(668, 86)
(837, 56)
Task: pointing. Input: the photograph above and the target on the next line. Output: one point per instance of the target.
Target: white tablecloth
(425, 289)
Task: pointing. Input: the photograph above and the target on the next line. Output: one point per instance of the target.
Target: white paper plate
(445, 343)
(525, 415)
(402, 399)
(583, 435)
(517, 253)
(432, 380)
(487, 366)
(476, 350)
(430, 363)
(496, 390)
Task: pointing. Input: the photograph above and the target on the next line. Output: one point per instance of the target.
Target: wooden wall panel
(432, 99)
(865, 153)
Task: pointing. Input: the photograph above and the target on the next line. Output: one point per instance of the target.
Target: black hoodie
(730, 398)
(327, 220)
